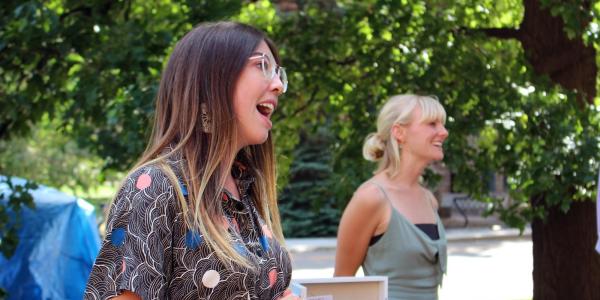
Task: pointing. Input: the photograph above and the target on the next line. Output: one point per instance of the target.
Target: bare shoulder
(366, 215)
(369, 197)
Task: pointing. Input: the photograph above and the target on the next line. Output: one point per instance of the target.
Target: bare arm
(367, 214)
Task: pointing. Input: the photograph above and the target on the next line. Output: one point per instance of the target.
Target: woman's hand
(287, 295)
(127, 295)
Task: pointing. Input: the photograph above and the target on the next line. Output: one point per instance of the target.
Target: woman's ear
(399, 133)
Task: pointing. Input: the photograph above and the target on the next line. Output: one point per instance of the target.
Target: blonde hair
(380, 146)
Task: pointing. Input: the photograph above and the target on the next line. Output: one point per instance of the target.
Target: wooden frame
(340, 288)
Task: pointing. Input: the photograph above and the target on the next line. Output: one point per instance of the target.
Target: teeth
(268, 106)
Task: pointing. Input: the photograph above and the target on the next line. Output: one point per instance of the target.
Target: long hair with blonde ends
(381, 146)
(203, 69)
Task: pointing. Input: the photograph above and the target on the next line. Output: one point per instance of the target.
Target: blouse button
(211, 278)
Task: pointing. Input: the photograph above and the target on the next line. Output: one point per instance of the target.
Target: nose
(277, 85)
(443, 131)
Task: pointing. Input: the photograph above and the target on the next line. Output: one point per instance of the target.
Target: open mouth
(265, 109)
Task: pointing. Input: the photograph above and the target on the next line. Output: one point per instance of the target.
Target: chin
(437, 157)
(260, 140)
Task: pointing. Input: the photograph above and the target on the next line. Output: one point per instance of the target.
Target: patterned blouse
(149, 250)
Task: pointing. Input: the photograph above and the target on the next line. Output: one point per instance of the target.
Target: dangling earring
(204, 118)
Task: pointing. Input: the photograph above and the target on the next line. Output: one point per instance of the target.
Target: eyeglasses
(270, 68)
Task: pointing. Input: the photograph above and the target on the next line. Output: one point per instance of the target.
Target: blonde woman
(197, 217)
(391, 226)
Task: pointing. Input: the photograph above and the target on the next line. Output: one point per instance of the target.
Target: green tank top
(413, 263)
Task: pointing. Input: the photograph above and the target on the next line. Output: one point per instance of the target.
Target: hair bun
(373, 147)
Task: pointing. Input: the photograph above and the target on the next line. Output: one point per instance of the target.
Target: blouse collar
(239, 171)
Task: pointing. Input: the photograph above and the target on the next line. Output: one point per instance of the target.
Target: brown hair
(203, 70)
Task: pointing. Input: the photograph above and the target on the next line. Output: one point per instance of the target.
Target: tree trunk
(568, 62)
(565, 264)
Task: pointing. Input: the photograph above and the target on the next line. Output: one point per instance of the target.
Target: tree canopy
(96, 67)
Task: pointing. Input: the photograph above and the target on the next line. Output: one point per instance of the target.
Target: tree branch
(304, 106)
(4, 129)
(310, 100)
(344, 62)
(86, 10)
(500, 33)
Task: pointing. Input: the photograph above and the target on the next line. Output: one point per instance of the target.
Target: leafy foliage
(49, 156)
(98, 62)
(502, 116)
(11, 204)
(308, 206)
(573, 14)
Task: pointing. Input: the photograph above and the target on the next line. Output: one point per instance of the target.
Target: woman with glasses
(197, 217)
(391, 226)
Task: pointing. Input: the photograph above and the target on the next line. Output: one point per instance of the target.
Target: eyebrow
(256, 53)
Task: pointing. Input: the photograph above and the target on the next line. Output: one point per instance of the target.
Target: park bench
(467, 206)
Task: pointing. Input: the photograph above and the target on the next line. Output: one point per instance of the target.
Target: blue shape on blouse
(241, 249)
(264, 242)
(117, 236)
(192, 239)
(183, 189)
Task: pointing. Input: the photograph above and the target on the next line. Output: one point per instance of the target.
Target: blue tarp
(58, 243)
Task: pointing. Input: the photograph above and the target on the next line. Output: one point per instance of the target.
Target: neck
(409, 173)
(230, 183)
(231, 186)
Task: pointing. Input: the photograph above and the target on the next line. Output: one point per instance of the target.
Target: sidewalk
(482, 261)
(453, 234)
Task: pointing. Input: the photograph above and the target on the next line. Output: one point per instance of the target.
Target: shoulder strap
(430, 198)
(380, 187)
